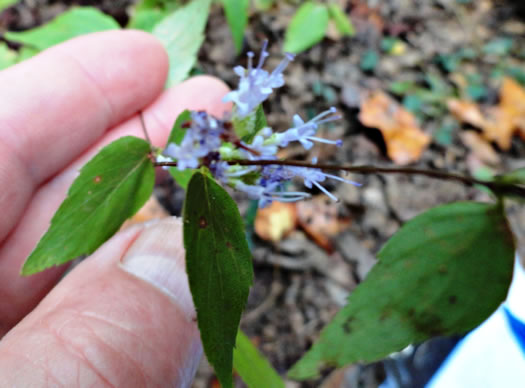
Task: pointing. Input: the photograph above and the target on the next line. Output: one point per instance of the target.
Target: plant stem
(499, 188)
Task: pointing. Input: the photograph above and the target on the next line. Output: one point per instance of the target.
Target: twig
(143, 125)
(497, 187)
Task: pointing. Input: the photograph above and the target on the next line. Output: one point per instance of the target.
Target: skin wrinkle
(127, 331)
(13, 353)
(78, 354)
(104, 343)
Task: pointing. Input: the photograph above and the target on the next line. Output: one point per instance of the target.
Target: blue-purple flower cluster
(208, 141)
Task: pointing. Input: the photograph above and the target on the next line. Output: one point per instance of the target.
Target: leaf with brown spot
(404, 139)
(110, 188)
(219, 267)
(468, 258)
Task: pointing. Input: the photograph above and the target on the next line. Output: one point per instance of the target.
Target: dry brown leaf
(499, 123)
(319, 218)
(274, 222)
(404, 139)
(480, 147)
(151, 210)
(467, 112)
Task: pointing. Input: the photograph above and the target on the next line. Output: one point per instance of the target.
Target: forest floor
(429, 57)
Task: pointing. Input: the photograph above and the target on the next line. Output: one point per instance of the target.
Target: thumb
(122, 318)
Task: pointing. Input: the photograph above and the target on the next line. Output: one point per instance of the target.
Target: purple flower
(268, 193)
(256, 84)
(304, 132)
(201, 138)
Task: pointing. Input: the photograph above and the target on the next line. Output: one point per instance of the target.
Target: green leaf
(413, 103)
(250, 364)
(177, 134)
(498, 46)
(72, 23)
(308, 27)
(219, 267)
(517, 73)
(237, 17)
(182, 34)
(443, 273)
(8, 57)
(264, 5)
(146, 20)
(247, 127)
(444, 133)
(369, 61)
(402, 87)
(147, 13)
(6, 4)
(516, 177)
(341, 20)
(111, 187)
(181, 177)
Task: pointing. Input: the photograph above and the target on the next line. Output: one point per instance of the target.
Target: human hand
(124, 317)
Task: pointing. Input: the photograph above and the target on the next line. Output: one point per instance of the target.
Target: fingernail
(157, 256)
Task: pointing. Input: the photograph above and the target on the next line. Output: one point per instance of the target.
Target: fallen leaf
(467, 112)
(480, 147)
(319, 218)
(405, 141)
(151, 210)
(274, 222)
(498, 123)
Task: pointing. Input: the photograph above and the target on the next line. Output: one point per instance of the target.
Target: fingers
(122, 318)
(18, 295)
(57, 104)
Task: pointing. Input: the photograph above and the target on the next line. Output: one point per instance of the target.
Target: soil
(298, 285)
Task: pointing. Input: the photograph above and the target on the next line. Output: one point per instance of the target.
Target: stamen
(264, 55)
(338, 178)
(333, 197)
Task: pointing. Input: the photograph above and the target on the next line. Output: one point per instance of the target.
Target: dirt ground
(301, 284)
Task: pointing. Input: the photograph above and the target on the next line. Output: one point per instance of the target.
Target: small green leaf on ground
(444, 134)
(182, 33)
(72, 23)
(237, 16)
(413, 103)
(307, 27)
(369, 61)
(219, 267)
(250, 364)
(402, 87)
(443, 273)
(498, 46)
(111, 188)
(341, 20)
